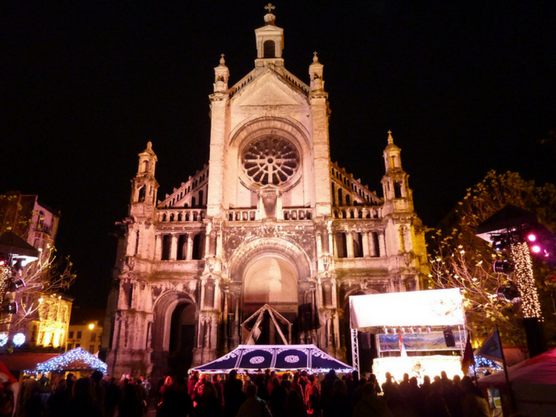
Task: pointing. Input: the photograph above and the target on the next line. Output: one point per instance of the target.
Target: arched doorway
(173, 337)
(271, 279)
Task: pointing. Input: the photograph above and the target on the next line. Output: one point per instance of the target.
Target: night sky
(465, 87)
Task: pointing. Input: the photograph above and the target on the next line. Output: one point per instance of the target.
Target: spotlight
(531, 237)
(502, 267)
(536, 249)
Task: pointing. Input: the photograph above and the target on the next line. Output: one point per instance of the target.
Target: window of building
(93, 337)
(269, 49)
(77, 345)
(341, 245)
(92, 349)
(79, 335)
(70, 346)
(71, 334)
(166, 247)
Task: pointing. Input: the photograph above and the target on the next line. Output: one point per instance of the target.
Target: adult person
(253, 406)
(370, 405)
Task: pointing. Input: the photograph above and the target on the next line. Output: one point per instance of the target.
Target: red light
(531, 237)
(536, 249)
(2, 262)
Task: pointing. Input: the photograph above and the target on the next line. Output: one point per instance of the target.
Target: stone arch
(271, 271)
(173, 333)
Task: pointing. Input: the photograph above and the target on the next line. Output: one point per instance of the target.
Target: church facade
(267, 242)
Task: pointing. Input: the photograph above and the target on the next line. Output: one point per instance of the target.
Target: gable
(270, 89)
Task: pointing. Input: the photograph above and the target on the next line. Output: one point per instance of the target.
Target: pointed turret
(144, 184)
(397, 195)
(221, 76)
(316, 71)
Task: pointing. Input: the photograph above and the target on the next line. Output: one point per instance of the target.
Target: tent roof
(411, 308)
(77, 359)
(540, 370)
(279, 357)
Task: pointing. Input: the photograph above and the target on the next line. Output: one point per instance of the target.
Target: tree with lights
(35, 286)
(460, 259)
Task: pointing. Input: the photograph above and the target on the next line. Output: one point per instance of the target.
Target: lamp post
(509, 229)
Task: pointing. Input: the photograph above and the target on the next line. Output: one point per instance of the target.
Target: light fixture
(18, 339)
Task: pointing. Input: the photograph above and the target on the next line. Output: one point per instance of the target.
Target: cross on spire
(270, 7)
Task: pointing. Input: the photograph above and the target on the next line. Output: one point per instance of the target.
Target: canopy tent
(77, 359)
(411, 308)
(533, 384)
(278, 357)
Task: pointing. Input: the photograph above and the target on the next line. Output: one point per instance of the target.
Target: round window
(270, 160)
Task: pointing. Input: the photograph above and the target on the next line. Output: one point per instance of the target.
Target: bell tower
(270, 41)
(144, 185)
(397, 195)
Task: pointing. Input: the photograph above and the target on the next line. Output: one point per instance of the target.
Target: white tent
(412, 308)
(533, 384)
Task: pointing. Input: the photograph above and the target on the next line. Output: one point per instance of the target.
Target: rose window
(270, 160)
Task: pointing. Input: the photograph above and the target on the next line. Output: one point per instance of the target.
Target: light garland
(525, 280)
(75, 359)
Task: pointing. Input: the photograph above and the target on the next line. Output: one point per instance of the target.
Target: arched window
(269, 49)
(397, 190)
(333, 195)
(201, 198)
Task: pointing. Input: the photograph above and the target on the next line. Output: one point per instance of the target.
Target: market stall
(533, 385)
(75, 360)
(247, 358)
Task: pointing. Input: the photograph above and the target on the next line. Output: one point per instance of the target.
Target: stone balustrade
(357, 212)
(181, 215)
(247, 215)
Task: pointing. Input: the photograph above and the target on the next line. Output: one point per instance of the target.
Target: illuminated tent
(418, 321)
(275, 357)
(406, 309)
(533, 384)
(77, 359)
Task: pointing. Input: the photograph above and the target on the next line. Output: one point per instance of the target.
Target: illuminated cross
(270, 7)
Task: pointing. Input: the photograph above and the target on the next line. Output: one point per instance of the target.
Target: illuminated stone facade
(269, 220)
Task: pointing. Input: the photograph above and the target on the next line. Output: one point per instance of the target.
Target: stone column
(158, 247)
(189, 252)
(366, 244)
(173, 247)
(381, 244)
(349, 244)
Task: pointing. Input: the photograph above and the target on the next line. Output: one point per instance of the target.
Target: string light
(525, 280)
(75, 359)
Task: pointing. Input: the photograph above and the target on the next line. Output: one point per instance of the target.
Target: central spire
(270, 40)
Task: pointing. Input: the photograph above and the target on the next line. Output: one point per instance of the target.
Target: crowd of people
(265, 394)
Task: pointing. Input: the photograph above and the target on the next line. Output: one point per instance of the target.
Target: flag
(403, 352)
(492, 348)
(468, 357)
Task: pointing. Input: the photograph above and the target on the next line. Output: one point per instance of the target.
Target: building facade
(43, 317)
(267, 242)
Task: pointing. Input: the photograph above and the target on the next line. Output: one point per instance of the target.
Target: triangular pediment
(270, 89)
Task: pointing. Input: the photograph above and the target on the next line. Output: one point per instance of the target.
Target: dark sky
(465, 86)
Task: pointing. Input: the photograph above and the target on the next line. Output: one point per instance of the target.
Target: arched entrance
(173, 334)
(271, 279)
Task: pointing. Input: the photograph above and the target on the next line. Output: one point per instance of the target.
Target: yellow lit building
(86, 334)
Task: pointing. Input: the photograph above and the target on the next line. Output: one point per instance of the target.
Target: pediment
(269, 89)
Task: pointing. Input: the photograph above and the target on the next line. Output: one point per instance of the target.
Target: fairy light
(525, 281)
(75, 359)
